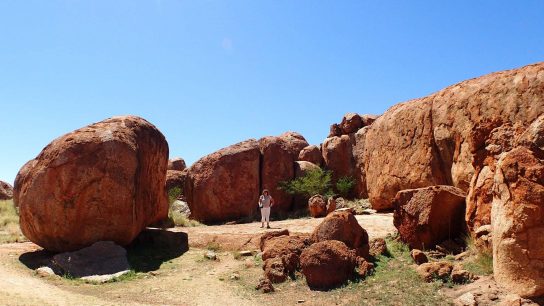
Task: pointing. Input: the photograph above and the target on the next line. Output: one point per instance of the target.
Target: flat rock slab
(101, 258)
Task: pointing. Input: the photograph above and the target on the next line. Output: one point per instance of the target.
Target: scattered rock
(176, 163)
(249, 263)
(435, 270)
(211, 255)
(265, 285)
(102, 259)
(100, 279)
(181, 207)
(6, 191)
(466, 299)
(342, 226)
(427, 216)
(317, 206)
(377, 247)
(272, 234)
(274, 270)
(105, 181)
(462, 255)
(286, 248)
(45, 272)
(311, 154)
(235, 276)
(461, 276)
(327, 264)
(418, 256)
(364, 268)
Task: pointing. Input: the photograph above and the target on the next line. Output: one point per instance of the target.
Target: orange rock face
(327, 264)
(518, 222)
(177, 164)
(6, 191)
(425, 217)
(105, 182)
(311, 154)
(436, 140)
(278, 156)
(338, 156)
(225, 185)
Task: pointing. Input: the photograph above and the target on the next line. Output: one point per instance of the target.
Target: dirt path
(187, 280)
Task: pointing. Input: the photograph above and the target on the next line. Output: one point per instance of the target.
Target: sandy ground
(186, 280)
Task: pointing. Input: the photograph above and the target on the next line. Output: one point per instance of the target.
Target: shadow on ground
(146, 253)
(153, 247)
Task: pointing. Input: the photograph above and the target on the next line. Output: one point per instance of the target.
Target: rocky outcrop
(438, 139)
(6, 191)
(105, 181)
(311, 154)
(177, 164)
(518, 222)
(342, 226)
(281, 255)
(338, 156)
(175, 178)
(327, 264)
(425, 217)
(225, 185)
(278, 156)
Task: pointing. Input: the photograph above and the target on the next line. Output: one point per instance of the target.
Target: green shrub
(173, 194)
(315, 181)
(345, 185)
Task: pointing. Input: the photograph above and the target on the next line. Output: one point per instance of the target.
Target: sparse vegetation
(345, 185)
(481, 263)
(315, 181)
(9, 223)
(213, 246)
(358, 205)
(177, 217)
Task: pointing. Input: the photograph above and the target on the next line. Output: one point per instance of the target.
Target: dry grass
(9, 223)
(481, 260)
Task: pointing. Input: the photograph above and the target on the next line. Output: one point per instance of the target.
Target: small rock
(377, 247)
(466, 299)
(104, 278)
(483, 230)
(265, 285)
(462, 255)
(246, 253)
(418, 256)
(249, 263)
(460, 276)
(211, 255)
(435, 270)
(44, 272)
(235, 276)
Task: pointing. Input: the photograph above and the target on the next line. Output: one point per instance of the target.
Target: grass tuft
(9, 223)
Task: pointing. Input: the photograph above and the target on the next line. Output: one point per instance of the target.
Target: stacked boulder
(103, 182)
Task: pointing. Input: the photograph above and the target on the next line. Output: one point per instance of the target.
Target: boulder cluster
(327, 259)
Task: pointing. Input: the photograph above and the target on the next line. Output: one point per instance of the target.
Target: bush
(173, 194)
(315, 181)
(345, 186)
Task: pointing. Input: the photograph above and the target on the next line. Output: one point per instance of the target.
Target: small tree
(315, 181)
(344, 185)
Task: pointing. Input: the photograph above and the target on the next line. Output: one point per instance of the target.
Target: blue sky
(212, 73)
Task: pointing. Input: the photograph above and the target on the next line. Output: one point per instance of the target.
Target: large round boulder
(338, 156)
(343, 226)
(278, 155)
(6, 191)
(327, 264)
(105, 182)
(225, 185)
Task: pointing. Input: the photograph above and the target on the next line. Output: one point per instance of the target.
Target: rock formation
(6, 191)
(311, 154)
(342, 226)
(105, 181)
(427, 216)
(177, 164)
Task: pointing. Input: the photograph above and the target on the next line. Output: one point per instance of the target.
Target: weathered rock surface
(281, 255)
(338, 156)
(177, 164)
(436, 140)
(342, 226)
(351, 123)
(377, 247)
(327, 264)
(175, 178)
(317, 205)
(418, 256)
(105, 181)
(311, 154)
(518, 222)
(225, 185)
(359, 174)
(302, 167)
(101, 258)
(278, 155)
(435, 270)
(6, 191)
(425, 217)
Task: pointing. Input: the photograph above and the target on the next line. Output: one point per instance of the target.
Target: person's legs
(267, 217)
(262, 217)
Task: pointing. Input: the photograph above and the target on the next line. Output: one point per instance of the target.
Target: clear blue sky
(212, 73)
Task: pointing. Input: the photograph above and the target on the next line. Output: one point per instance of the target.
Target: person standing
(265, 203)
